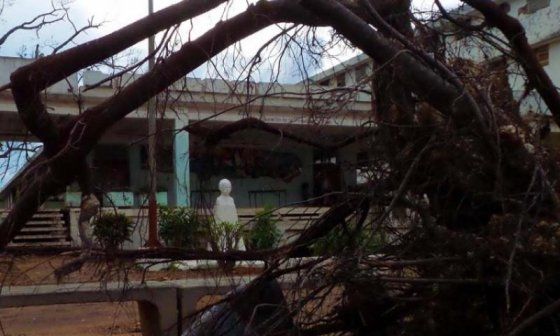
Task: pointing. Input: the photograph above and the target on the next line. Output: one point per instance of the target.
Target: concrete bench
(162, 306)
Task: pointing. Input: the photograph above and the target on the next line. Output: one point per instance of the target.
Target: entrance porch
(288, 167)
(119, 166)
(266, 169)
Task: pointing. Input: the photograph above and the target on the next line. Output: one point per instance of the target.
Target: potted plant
(111, 230)
(265, 233)
(180, 227)
(225, 237)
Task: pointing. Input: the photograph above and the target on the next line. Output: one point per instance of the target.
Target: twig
(546, 311)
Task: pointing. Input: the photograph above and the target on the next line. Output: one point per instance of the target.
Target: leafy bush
(227, 235)
(265, 233)
(111, 230)
(180, 227)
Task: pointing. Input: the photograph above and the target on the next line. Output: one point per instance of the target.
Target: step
(40, 236)
(42, 229)
(33, 222)
(40, 244)
(56, 215)
(39, 216)
(4, 214)
(44, 220)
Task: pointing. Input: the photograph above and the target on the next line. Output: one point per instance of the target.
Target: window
(111, 167)
(542, 54)
(324, 82)
(341, 80)
(361, 72)
(164, 158)
(322, 158)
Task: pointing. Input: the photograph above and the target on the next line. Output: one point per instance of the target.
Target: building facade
(542, 27)
(265, 167)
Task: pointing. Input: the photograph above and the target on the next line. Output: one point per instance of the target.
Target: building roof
(340, 68)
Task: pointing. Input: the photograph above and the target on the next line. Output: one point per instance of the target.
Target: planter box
(73, 199)
(142, 199)
(118, 199)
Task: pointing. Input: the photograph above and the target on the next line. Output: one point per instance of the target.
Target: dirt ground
(91, 319)
(94, 319)
(39, 270)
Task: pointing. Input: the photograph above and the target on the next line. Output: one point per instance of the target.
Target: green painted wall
(181, 185)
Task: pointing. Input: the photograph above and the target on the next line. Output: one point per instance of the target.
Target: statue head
(225, 187)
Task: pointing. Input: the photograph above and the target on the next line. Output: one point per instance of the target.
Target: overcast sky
(114, 14)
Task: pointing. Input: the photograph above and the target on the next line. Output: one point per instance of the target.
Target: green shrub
(265, 233)
(180, 227)
(227, 235)
(111, 230)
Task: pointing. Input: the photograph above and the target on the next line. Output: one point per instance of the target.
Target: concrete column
(149, 319)
(73, 215)
(158, 314)
(166, 312)
(181, 184)
(188, 300)
(134, 168)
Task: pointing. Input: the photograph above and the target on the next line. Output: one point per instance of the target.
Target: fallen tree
(470, 182)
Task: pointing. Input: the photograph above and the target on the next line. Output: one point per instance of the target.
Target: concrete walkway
(162, 305)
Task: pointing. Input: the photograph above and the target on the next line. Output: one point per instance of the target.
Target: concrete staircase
(46, 228)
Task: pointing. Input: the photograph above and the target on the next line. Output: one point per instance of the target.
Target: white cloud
(117, 13)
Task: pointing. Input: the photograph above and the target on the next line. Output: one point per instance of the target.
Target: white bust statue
(225, 211)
